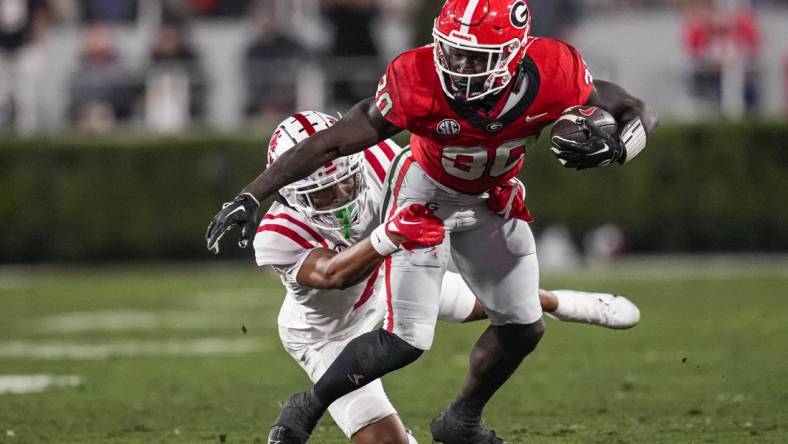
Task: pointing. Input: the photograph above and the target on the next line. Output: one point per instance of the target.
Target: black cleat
(283, 435)
(297, 419)
(451, 426)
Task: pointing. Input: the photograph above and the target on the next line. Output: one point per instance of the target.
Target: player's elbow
(651, 120)
(343, 283)
(337, 279)
(631, 106)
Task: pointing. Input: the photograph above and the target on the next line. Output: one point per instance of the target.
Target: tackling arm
(325, 268)
(413, 226)
(362, 127)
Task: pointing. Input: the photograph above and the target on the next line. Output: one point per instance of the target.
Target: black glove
(601, 149)
(241, 211)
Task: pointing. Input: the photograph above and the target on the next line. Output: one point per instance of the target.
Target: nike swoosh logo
(405, 222)
(536, 117)
(355, 379)
(601, 150)
(236, 210)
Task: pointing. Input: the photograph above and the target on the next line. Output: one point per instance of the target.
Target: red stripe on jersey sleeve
(300, 224)
(368, 289)
(305, 123)
(387, 150)
(288, 233)
(376, 166)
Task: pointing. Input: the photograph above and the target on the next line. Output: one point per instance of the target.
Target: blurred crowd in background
(170, 65)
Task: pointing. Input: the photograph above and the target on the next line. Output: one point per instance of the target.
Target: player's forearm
(622, 105)
(329, 269)
(291, 166)
(352, 265)
(358, 129)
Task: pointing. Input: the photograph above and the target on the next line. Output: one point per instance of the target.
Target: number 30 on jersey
(471, 162)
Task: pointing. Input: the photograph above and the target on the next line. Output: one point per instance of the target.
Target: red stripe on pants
(394, 194)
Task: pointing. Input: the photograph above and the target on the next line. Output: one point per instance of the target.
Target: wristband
(633, 137)
(252, 196)
(381, 242)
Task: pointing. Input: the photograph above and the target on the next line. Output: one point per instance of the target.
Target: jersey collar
(482, 120)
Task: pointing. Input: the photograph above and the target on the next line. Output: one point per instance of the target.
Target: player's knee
(530, 335)
(381, 437)
(522, 337)
(404, 351)
(377, 439)
(388, 430)
(419, 338)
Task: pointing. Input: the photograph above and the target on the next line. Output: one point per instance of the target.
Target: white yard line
(18, 384)
(97, 351)
(140, 320)
(719, 267)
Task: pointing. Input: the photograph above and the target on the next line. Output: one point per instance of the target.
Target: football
(569, 125)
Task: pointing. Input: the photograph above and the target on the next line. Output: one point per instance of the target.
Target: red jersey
(461, 146)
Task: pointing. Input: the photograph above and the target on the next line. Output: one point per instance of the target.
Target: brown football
(568, 125)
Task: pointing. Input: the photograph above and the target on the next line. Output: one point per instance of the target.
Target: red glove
(418, 225)
(508, 200)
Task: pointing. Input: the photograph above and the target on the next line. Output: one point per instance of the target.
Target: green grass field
(145, 354)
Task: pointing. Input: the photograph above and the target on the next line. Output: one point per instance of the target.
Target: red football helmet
(478, 44)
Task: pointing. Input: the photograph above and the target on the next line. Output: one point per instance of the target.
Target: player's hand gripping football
(415, 226)
(508, 200)
(601, 149)
(240, 211)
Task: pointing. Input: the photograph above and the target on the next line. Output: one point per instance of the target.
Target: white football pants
(496, 257)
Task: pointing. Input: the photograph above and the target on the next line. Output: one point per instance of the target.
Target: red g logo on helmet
(519, 15)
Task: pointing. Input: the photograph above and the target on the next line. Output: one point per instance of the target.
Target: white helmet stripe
(467, 15)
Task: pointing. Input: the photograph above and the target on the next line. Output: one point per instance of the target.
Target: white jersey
(285, 238)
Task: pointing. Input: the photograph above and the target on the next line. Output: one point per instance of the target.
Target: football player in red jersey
(473, 101)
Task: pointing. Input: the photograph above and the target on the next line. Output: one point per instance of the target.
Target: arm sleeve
(282, 252)
(273, 248)
(577, 79)
(289, 272)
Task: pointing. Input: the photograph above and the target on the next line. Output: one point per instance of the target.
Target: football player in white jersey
(323, 239)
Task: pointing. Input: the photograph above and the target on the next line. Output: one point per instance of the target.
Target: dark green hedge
(696, 188)
(117, 199)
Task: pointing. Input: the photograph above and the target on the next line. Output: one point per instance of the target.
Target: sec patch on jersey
(570, 125)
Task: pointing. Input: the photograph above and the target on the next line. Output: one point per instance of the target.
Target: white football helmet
(331, 196)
